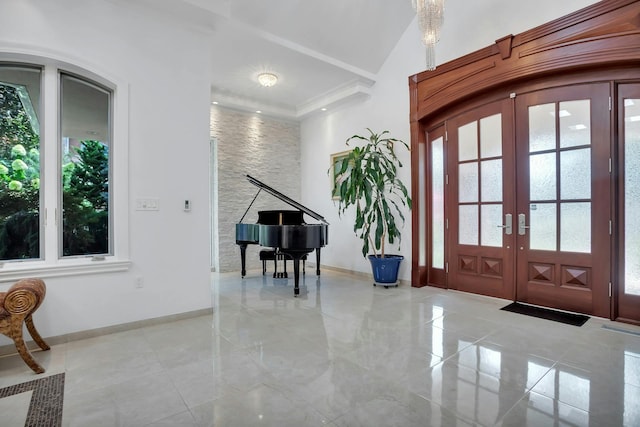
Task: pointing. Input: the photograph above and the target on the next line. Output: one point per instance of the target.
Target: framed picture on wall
(336, 162)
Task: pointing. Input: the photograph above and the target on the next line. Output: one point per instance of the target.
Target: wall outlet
(139, 282)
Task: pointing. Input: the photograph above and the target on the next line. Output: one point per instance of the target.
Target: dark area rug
(547, 313)
(45, 408)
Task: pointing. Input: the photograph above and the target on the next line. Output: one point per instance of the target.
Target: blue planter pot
(385, 270)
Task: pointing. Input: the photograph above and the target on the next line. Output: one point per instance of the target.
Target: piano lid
(285, 199)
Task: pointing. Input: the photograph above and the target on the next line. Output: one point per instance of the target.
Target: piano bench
(272, 255)
(267, 255)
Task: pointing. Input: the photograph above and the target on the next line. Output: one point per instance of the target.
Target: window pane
(575, 226)
(85, 127)
(468, 228)
(491, 220)
(437, 203)
(491, 136)
(631, 196)
(468, 182)
(468, 142)
(542, 127)
(575, 123)
(543, 227)
(491, 180)
(542, 176)
(575, 174)
(19, 163)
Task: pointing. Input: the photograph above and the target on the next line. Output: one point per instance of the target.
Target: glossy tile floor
(345, 353)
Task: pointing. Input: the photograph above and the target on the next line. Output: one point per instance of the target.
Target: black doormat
(547, 313)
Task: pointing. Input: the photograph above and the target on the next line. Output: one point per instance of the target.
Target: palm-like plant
(368, 179)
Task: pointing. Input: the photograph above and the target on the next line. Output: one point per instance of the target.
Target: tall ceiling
(324, 52)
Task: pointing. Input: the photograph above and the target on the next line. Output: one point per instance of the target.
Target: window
(58, 172)
(19, 163)
(85, 129)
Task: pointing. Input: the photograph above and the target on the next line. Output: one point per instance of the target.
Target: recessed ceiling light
(215, 102)
(267, 79)
(258, 111)
(323, 109)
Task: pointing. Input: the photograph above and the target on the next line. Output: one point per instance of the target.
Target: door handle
(522, 227)
(508, 227)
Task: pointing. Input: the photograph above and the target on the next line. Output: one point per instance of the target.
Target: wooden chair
(16, 307)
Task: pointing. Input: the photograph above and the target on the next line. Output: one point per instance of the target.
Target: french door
(563, 200)
(481, 201)
(529, 199)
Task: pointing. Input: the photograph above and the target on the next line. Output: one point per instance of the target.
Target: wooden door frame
(598, 43)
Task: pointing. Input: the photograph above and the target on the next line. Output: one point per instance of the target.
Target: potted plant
(367, 178)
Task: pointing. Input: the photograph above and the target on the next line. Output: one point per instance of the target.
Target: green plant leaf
(368, 179)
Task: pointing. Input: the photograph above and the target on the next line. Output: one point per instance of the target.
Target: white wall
(166, 66)
(168, 87)
(469, 26)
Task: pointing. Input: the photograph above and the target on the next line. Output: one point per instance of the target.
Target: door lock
(522, 227)
(508, 227)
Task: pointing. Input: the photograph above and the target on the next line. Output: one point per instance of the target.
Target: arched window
(57, 170)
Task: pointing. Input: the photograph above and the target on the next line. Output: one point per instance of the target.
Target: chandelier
(267, 79)
(430, 18)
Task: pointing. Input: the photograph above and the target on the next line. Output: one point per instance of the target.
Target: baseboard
(76, 336)
(360, 274)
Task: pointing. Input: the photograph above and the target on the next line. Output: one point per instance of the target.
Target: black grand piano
(284, 230)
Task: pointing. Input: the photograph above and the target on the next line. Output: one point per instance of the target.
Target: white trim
(62, 269)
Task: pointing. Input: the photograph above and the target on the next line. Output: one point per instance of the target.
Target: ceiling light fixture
(267, 79)
(430, 18)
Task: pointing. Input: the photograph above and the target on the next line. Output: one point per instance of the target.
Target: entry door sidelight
(629, 204)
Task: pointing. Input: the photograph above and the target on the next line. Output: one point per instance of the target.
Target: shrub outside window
(85, 129)
(81, 188)
(19, 163)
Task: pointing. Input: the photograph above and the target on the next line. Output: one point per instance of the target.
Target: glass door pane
(560, 176)
(480, 178)
(437, 203)
(632, 196)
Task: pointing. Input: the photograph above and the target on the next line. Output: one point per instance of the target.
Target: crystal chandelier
(430, 18)
(267, 79)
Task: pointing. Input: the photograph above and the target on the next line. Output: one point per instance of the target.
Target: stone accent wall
(268, 150)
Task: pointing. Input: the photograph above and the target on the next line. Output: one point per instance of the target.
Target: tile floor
(345, 353)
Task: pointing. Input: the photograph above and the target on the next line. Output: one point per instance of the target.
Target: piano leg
(317, 261)
(243, 258)
(296, 256)
(296, 275)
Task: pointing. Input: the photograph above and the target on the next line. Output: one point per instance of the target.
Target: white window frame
(51, 262)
